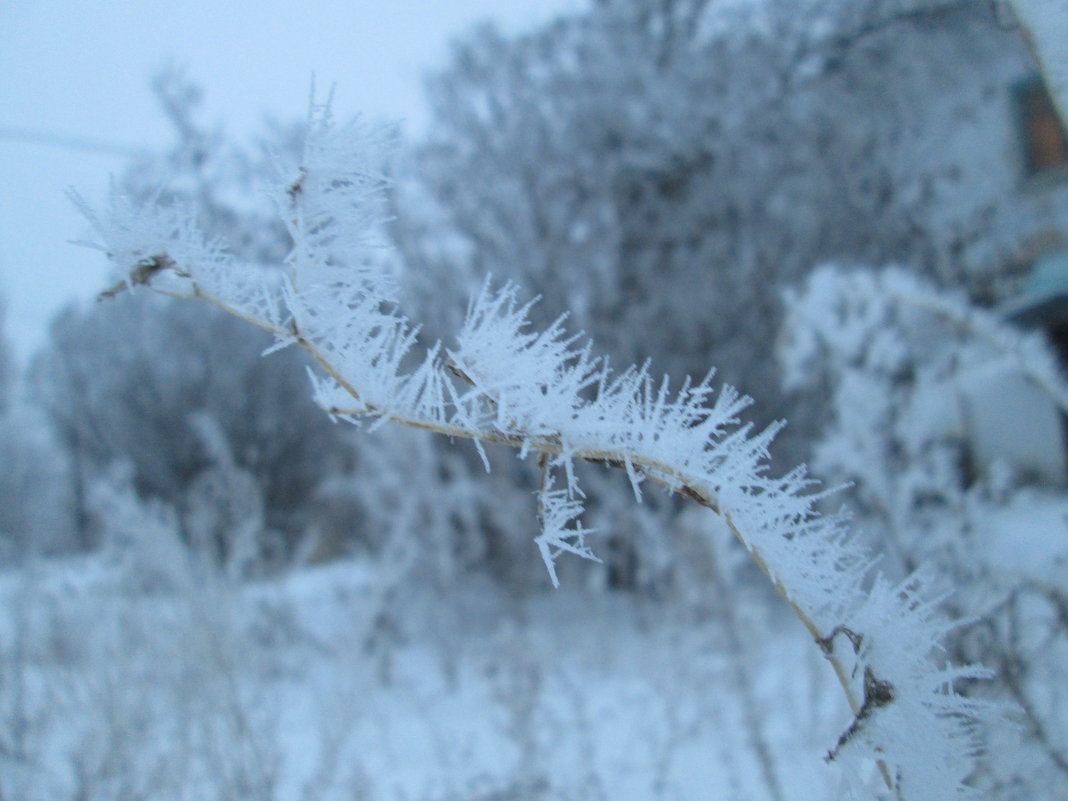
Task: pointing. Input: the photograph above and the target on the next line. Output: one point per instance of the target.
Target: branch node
(877, 693)
(827, 643)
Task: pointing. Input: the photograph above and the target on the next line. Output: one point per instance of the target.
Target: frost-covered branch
(545, 393)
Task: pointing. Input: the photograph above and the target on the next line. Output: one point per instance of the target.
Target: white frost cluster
(545, 392)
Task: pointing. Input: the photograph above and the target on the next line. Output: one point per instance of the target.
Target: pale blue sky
(80, 69)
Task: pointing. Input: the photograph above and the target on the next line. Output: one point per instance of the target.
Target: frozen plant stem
(652, 469)
(541, 394)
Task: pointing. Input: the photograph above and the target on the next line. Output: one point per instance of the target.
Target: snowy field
(315, 687)
(127, 678)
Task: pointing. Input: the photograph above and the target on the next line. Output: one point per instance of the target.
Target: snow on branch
(545, 392)
(851, 316)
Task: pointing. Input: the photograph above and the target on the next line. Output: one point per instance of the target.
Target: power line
(79, 143)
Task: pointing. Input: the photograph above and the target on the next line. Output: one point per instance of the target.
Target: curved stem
(659, 472)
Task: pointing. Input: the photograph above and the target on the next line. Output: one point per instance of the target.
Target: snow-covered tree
(35, 504)
(141, 380)
(667, 167)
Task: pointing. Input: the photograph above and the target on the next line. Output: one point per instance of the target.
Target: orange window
(1044, 139)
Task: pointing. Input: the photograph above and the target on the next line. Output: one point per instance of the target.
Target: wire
(68, 142)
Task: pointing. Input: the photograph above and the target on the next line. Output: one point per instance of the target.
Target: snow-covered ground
(125, 681)
(315, 686)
